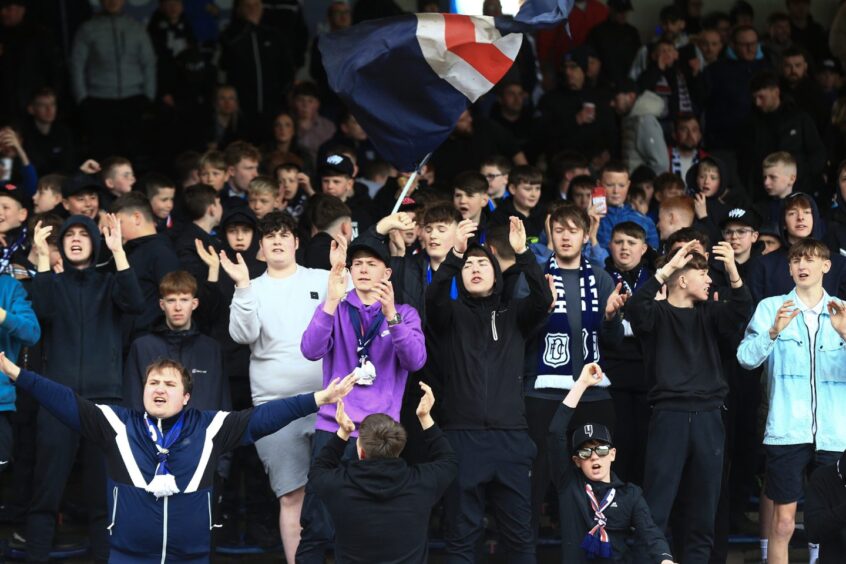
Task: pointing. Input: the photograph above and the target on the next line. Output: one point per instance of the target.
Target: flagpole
(409, 182)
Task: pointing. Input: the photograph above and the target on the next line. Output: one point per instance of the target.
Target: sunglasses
(601, 451)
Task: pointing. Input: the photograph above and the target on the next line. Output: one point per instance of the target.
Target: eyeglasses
(491, 176)
(729, 233)
(601, 451)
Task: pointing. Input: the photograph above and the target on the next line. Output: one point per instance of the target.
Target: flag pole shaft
(409, 182)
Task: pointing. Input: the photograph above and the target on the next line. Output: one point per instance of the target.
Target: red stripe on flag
(460, 38)
(458, 30)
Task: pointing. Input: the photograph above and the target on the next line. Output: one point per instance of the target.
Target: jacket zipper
(259, 78)
(164, 533)
(811, 357)
(114, 509)
(211, 521)
(814, 386)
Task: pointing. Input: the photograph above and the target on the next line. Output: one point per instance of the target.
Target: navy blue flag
(407, 79)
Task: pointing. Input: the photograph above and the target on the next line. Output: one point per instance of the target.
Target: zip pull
(114, 509)
(493, 326)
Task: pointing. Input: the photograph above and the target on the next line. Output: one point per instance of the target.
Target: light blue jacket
(807, 398)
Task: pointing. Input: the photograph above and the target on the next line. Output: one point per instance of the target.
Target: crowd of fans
(628, 251)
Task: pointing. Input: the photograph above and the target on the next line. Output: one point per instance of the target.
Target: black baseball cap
(79, 184)
(15, 192)
(377, 248)
(591, 432)
(748, 217)
(336, 164)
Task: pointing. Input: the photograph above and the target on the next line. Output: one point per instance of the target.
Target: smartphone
(598, 200)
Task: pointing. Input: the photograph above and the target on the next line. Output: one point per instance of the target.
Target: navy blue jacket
(177, 528)
(80, 312)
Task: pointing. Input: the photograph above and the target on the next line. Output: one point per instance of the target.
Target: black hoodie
(80, 309)
(483, 343)
(381, 507)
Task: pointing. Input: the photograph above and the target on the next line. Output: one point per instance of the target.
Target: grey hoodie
(642, 137)
(112, 58)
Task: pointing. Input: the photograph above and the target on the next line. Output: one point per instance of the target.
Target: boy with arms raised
(482, 350)
(80, 308)
(583, 313)
(680, 339)
(800, 336)
(598, 510)
(161, 461)
(366, 332)
(270, 313)
(396, 497)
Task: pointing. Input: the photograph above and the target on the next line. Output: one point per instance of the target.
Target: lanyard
(363, 337)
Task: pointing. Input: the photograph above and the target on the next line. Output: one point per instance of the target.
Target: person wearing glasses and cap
(599, 513)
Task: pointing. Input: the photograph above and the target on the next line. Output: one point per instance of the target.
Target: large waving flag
(407, 79)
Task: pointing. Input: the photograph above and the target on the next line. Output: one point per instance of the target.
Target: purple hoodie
(394, 352)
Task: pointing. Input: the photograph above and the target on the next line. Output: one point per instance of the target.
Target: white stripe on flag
(452, 68)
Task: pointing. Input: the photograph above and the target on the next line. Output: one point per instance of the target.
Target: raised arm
(79, 414)
(406, 333)
(762, 332)
(318, 338)
(557, 441)
(641, 308)
(442, 464)
(271, 416)
(532, 309)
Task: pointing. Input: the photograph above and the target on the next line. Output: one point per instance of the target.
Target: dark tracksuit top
(381, 507)
(199, 354)
(627, 517)
(144, 530)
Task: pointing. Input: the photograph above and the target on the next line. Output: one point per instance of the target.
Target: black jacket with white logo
(199, 354)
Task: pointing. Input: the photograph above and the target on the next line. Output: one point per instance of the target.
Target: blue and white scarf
(555, 367)
(163, 483)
